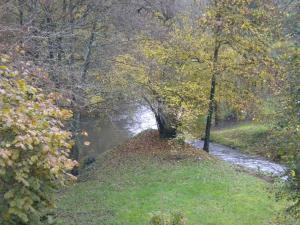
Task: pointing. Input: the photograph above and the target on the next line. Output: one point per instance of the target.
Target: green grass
(206, 192)
(248, 137)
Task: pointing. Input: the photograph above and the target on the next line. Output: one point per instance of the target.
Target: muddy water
(110, 133)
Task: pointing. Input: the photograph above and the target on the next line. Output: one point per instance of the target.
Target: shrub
(176, 218)
(290, 189)
(34, 150)
(159, 220)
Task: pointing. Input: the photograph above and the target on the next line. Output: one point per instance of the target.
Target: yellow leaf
(22, 85)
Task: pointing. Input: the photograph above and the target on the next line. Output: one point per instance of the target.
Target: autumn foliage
(34, 149)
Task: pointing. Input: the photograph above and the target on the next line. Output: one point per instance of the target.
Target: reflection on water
(103, 134)
(236, 157)
(143, 120)
(106, 134)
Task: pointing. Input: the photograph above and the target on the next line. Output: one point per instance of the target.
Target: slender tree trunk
(60, 50)
(35, 43)
(21, 12)
(50, 41)
(21, 17)
(88, 51)
(59, 40)
(50, 28)
(75, 151)
(218, 25)
(210, 113)
(213, 85)
(217, 116)
(70, 10)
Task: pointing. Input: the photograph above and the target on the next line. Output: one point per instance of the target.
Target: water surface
(110, 133)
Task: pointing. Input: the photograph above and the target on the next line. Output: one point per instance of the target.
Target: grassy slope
(127, 188)
(248, 137)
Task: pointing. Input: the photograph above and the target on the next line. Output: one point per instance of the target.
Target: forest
(149, 112)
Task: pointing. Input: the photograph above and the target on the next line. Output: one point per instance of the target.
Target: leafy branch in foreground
(34, 149)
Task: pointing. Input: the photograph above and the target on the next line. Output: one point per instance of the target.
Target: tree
(34, 147)
(166, 80)
(244, 30)
(228, 47)
(66, 39)
(286, 131)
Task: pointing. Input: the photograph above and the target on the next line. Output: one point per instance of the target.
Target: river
(108, 133)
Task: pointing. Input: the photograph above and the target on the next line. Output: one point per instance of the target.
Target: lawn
(127, 189)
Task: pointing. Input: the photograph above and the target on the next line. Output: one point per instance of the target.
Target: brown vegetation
(148, 144)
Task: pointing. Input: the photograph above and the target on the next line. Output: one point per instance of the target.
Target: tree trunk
(60, 51)
(50, 30)
(210, 113)
(165, 127)
(70, 9)
(21, 12)
(213, 86)
(88, 51)
(59, 40)
(218, 25)
(217, 116)
(75, 151)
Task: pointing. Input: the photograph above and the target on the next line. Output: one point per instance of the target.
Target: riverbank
(146, 176)
(249, 138)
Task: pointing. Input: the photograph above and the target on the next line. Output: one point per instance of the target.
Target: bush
(159, 220)
(176, 218)
(34, 150)
(290, 189)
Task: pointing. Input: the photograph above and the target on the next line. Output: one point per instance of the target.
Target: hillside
(147, 176)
